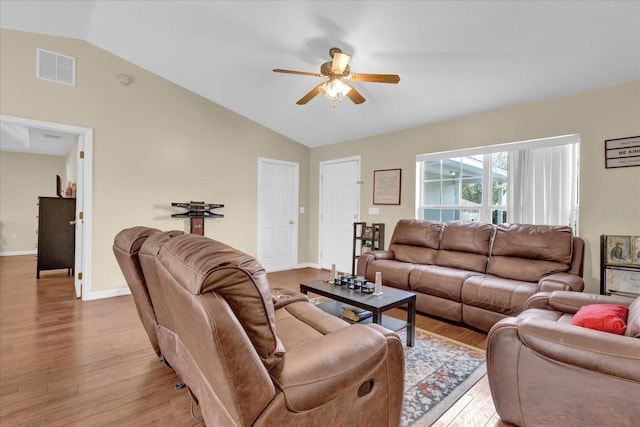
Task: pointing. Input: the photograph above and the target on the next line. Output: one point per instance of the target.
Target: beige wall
(23, 178)
(609, 198)
(154, 143)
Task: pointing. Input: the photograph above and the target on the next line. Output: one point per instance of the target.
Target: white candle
(378, 287)
(333, 274)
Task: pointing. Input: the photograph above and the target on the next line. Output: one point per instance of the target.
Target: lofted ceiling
(454, 58)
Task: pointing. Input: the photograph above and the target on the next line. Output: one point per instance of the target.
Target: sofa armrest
(382, 254)
(283, 296)
(561, 282)
(367, 257)
(538, 300)
(571, 302)
(610, 354)
(319, 371)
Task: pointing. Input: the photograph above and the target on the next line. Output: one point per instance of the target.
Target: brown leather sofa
(474, 272)
(543, 371)
(251, 356)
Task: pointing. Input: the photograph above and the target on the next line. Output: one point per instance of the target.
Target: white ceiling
(24, 139)
(454, 57)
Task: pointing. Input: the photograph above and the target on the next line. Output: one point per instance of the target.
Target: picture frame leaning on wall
(620, 249)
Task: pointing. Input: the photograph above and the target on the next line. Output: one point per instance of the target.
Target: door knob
(72, 222)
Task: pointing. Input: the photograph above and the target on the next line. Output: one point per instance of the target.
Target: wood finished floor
(65, 362)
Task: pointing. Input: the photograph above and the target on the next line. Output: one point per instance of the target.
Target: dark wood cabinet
(56, 234)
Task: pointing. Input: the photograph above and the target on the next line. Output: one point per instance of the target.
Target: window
(453, 188)
(527, 182)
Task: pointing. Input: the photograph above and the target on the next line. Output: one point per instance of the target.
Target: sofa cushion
(602, 317)
(300, 322)
(416, 241)
(633, 319)
(497, 294)
(413, 254)
(394, 273)
(465, 245)
(439, 281)
(417, 232)
(530, 252)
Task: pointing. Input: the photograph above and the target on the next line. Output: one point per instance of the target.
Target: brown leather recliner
(126, 246)
(248, 363)
(543, 371)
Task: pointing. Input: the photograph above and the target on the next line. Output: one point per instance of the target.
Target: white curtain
(543, 184)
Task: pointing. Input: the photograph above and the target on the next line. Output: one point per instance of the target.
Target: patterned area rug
(438, 372)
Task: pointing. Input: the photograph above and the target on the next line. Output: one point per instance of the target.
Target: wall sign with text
(386, 186)
(622, 152)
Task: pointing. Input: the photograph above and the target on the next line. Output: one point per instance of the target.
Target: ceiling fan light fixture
(335, 70)
(335, 89)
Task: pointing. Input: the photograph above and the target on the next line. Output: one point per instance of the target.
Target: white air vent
(55, 67)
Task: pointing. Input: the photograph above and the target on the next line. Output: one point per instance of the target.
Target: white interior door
(339, 209)
(277, 214)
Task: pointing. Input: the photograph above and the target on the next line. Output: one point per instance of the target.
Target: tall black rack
(369, 237)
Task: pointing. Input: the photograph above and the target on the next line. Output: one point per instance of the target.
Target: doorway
(278, 183)
(84, 188)
(339, 209)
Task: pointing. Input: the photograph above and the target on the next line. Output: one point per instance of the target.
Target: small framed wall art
(387, 184)
(622, 152)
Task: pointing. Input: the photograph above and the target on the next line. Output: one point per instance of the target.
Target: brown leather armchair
(249, 363)
(543, 371)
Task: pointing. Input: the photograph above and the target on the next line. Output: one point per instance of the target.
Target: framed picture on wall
(387, 184)
(636, 250)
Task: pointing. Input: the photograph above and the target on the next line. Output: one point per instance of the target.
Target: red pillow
(602, 317)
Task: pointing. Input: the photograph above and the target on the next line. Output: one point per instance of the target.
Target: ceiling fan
(337, 71)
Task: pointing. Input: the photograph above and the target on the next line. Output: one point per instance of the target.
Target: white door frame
(85, 186)
(295, 203)
(320, 204)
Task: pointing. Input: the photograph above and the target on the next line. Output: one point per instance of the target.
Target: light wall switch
(374, 211)
(301, 209)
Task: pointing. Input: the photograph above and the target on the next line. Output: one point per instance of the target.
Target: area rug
(438, 371)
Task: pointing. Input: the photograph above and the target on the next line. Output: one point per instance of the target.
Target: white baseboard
(14, 253)
(303, 265)
(108, 294)
(309, 265)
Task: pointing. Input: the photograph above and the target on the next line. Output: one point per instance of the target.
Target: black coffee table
(390, 298)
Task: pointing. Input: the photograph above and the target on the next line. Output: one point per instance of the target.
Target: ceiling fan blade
(354, 95)
(302, 73)
(308, 97)
(375, 78)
